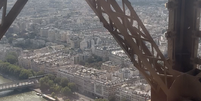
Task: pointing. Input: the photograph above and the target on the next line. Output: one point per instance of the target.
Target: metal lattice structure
(174, 79)
(164, 75)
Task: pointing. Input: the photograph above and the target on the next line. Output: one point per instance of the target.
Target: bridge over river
(18, 84)
(32, 81)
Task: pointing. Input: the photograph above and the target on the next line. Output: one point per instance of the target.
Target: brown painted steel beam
(2, 3)
(8, 19)
(133, 37)
(183, 36)
(165, 77)
(4, 12)
(184, 22)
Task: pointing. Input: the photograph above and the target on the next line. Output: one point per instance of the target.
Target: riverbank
(74, 97)
(12, 79)
(77, 96)
(16, 95)
(20, 96)
(37, 90)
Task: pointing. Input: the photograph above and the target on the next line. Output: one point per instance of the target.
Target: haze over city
(81, 60)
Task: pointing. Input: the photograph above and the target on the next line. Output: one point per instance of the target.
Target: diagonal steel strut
(166, 78)
(8, 18)
(133, 37)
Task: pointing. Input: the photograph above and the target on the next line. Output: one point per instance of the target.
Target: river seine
(16, 96)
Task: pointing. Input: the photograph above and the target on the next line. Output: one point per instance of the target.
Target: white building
(89, 42)
(51, 35)
(91, 81)
(133, 92)
(47, 59)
